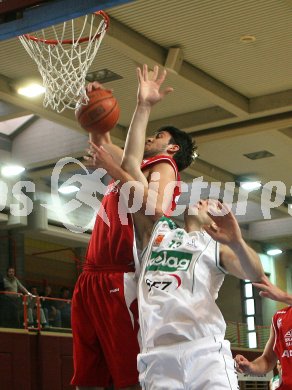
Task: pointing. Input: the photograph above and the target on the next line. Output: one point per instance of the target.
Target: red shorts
(105, 327)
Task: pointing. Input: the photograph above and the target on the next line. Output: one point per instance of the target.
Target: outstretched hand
(269, 290)
(225, 228)
(98, 157)
(149, 85)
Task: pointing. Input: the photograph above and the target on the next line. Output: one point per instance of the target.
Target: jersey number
(159, 285)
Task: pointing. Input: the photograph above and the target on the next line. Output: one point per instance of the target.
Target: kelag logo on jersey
(169, 261)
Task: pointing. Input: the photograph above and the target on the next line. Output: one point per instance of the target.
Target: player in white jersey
(182, 329)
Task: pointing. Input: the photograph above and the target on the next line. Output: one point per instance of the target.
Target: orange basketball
(101, 113)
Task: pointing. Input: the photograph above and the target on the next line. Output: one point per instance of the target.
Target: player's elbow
(132, 167)
(127, 164)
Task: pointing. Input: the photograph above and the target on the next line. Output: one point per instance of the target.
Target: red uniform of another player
(282, 324)
(105, 349)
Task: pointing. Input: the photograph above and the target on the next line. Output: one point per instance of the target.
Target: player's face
(199, 212)
(158, 144)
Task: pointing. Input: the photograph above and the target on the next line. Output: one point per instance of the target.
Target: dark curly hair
(187, 147)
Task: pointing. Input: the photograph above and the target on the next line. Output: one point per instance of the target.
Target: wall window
(249, 308)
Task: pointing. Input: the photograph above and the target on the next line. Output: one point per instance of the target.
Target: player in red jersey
(104, 305)
(279, 345)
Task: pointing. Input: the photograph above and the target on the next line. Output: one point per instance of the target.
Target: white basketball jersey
(178, 286)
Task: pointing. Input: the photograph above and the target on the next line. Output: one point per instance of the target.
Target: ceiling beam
(193, 120)
(9, 111)
(270, 229)
(142, 50)
(216, 91)
(271, 104)
(274, 122)
(208, 171)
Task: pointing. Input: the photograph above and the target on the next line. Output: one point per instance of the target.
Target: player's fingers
(214, 227)
(88, 162)
(93, 146)
(225, 207)
(218, 209)
(139, 74)
(213, 211)
(258, 285)
(261, 286)
(161, 78)
(264, 294)
(207, 229)
(219, 205)
(212, 203)
(264, 283)
(238, 358)
(212, 230)
(91, 86)
(96, 85)
(155, 72)
(145, 72)
(167, 90)
(102, 151)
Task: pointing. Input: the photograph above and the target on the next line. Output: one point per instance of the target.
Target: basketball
(101, 113)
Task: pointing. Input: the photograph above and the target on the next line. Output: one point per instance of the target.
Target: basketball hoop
(63, 55)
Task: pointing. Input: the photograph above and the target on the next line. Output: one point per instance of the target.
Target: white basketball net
(63, 63)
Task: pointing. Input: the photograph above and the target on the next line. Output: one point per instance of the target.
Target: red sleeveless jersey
(112, 245)
(282, 324)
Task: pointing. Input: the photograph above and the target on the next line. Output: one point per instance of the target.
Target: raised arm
(158, 186)
(263, 364)
(269, 290)
(236, 256)
(148, 95)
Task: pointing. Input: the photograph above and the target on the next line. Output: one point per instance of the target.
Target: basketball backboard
(17, 18)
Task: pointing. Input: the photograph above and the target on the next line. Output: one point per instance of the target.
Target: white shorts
(204, 364)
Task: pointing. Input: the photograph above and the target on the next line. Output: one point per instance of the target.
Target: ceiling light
(31, 90)
(274, 252)
(259, 155)
(11, 170)
(247, 39)
(102, 76)
(250, 185)
(68, 189)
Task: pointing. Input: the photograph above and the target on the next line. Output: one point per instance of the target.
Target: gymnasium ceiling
(234, 97)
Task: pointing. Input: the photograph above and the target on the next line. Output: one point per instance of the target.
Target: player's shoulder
(284, 310)
(159, 159)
